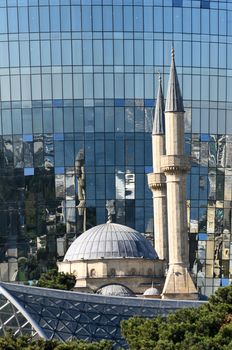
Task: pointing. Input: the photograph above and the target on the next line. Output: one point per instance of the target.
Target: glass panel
(97, 18)
(23, 19)
(13, 19)
(4, 58)
(65, 18)
(44, 18)
(55, 18)
(35, 53)
(76, 18)
(33, 19)
(128, 18)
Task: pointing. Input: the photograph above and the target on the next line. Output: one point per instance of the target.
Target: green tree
(82, 345)
(10, 342)
(56, 280)
(208, 327)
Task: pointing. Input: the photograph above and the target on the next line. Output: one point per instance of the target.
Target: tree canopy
(208, 327)
(56, 280)
(24, 343)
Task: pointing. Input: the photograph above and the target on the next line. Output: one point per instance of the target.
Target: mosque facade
(112, 254)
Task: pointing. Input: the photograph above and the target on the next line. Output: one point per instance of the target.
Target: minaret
(178, 283)
(157, 179)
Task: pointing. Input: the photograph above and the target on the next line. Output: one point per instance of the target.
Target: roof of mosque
(110, 241)
(115, 290)
(151, 291)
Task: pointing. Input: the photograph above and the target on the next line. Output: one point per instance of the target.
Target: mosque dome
(151, 292)
(115, 290)
(110, 241)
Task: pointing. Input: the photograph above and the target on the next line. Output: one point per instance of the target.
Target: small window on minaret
(177, 3)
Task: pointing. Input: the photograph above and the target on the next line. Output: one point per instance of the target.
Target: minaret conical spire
(174, 101)
(158, 122)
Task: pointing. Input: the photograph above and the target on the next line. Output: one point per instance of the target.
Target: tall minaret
(175, 164)
(157, 179)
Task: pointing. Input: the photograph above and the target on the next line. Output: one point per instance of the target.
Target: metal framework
(15, 318)
(63, 315)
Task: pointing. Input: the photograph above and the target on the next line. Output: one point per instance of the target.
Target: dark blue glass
(177, 3)
(69, 153)
(205, 4)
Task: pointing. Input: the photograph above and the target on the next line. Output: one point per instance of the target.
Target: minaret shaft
(158, 149)
(177, 236)
(175, 164)
(174, 133)
(157, 184)
(176, 188)
(157, 180)
(160, 223)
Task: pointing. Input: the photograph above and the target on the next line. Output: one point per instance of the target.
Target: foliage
(208, 327)
(24, 343)
(56, 280)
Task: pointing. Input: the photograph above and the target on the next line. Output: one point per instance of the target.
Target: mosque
(112, 259)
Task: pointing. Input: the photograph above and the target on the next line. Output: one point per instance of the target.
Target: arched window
(112, 272)
(133, 272)
(93, 273)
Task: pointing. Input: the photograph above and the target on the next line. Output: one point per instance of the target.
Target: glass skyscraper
(77, 87)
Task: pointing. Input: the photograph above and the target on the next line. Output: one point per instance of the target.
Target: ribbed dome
(116, 290)
(110, 241)
(151, 291)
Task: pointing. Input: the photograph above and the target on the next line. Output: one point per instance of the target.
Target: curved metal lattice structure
(15, 318)
(63, 315)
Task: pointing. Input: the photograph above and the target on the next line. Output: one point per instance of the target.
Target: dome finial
(109, 221)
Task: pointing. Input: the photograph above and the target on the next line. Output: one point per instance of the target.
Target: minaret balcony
(172, 164)
(156, 180)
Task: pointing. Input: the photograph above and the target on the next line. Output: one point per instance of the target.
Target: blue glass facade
(77, 86)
